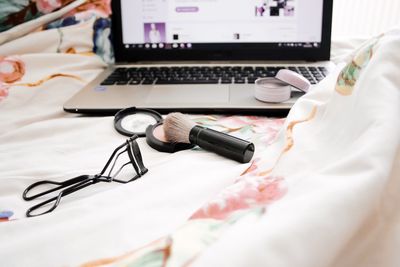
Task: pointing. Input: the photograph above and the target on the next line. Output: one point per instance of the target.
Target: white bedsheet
(331, 168)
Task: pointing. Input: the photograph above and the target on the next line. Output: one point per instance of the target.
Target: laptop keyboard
(204, 75)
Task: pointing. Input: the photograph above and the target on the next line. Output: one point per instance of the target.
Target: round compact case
(278, 89)
(130, 121)
(146, 123)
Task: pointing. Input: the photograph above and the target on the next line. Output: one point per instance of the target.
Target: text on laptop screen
(187, 23)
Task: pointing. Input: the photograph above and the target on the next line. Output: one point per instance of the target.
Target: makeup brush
(179, 128)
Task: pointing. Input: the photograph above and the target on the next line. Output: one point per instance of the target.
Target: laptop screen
(159, 25)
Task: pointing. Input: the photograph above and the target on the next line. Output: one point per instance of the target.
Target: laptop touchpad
(189, 94)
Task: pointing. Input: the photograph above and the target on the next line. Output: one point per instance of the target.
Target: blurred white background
(364, 18)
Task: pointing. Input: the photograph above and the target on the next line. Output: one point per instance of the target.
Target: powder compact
(130, 121)
(155, 138)
(278, 89)
(146, 123)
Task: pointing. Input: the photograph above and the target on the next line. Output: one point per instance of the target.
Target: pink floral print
(47, 6)
(244, 194)
(101, 8)
(11, 69)
(3, 91)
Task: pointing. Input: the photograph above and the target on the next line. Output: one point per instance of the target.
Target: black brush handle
(222, 144)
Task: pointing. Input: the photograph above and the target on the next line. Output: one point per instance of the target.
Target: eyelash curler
(72, 185)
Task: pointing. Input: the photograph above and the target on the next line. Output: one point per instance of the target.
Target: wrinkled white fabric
(342, 174)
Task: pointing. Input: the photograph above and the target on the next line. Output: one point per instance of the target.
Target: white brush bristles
(177, 127)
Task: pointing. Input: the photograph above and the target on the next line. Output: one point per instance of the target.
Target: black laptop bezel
(223, 51)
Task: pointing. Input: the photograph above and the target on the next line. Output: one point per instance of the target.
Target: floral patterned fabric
(14, 13)
(250, 195)
(318, 192)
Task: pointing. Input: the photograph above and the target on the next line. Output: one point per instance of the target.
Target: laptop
(204, 56)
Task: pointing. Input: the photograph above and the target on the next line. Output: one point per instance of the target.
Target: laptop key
(105, 82)
(134, 82)
(271, 73)
(147, 81)
(251, 80)
(225, 81)
(122, 82)
(239, 81)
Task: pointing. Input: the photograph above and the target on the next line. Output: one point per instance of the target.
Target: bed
(321, 190)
